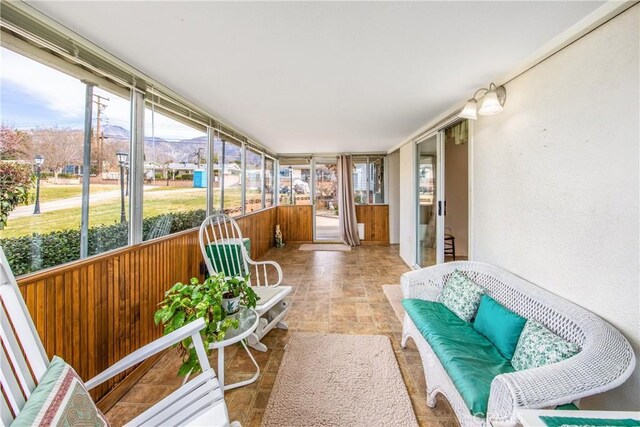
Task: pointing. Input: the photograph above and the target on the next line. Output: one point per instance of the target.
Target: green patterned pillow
(461, 296)
(538, 346)
(60, 399)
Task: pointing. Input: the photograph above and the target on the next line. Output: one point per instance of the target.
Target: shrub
(16, 180)
(35, 252)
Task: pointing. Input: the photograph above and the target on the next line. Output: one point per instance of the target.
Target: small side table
(248, 322)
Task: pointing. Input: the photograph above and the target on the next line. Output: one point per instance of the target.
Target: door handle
(439, 208)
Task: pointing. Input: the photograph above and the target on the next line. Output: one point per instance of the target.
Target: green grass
(157, 201)
(51, 192)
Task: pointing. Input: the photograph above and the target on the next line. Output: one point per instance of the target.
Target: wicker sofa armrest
(605, 362)
(425, 283)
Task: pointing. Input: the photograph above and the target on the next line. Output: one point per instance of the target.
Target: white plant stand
(248, 322)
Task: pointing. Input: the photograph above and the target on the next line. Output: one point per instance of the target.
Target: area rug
(394, 295)
(338, 380)
(324, 247)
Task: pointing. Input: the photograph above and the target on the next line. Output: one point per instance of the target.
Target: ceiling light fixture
(491, 102)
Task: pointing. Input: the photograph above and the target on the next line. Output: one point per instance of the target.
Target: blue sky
(34, 95)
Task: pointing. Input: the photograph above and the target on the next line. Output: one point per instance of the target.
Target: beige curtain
(347, 212)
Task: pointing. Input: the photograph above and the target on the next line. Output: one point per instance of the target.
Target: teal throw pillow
(499, 324)
(538, 346)
(461, 295)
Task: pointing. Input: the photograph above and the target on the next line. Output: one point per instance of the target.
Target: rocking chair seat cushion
(60, 399)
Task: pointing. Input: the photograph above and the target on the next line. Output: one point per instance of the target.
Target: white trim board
(589, 23)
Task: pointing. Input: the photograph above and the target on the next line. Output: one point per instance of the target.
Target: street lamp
(122, 160)
(293, 200)
(38, 160)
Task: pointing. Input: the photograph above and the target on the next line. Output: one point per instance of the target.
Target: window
(269, 176)
(43, 118)
(253, 180)
(294, 182)
(232, 171)
(368, 179)
(175, 177)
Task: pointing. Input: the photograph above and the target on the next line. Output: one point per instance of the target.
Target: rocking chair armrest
(190, 330)
(274, 264)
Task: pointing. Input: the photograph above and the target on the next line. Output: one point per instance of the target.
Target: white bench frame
(605, 361)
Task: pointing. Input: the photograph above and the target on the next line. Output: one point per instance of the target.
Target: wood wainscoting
(296, 223)
(95, 311)
(376, 223)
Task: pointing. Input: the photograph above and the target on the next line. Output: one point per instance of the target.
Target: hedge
(38, 251)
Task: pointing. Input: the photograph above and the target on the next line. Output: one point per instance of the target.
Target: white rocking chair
(24, 362)
(223, 249)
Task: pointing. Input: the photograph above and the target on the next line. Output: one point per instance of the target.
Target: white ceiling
(321, 77)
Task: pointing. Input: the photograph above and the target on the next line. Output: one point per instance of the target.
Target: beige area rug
(394, 295)
(339, 380)
(324, 247)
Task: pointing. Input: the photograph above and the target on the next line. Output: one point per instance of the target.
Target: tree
(59, 147)
(16, 180)
(14, 144)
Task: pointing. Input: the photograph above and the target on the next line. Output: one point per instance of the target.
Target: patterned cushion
(538, 346)
(60, 399)
(461, 296)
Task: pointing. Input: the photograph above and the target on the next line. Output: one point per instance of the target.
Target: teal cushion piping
(499, 324)
(470, 359)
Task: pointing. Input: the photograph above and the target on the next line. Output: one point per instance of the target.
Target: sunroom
(320, 213)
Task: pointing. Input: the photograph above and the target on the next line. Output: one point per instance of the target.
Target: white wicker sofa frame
(605, 361)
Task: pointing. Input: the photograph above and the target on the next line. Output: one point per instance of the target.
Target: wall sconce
(491, 102)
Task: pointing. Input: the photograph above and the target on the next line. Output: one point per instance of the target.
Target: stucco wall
(556, 181)
(408, 203)
(393, 162)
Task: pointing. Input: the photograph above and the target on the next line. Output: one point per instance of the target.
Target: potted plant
(236, 292)
(186, 302)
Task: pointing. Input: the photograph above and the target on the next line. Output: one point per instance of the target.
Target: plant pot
(231, 305)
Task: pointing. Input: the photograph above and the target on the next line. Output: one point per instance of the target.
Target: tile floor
(334, 292)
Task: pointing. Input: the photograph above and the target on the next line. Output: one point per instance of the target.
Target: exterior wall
(393, 174)
(556, 181)
(408, 204)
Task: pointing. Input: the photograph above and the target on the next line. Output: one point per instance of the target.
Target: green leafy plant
(185, 303)
(16, 181)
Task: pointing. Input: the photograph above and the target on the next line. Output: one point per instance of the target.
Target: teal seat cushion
(470, 359)
(227, 257)
(499, 324)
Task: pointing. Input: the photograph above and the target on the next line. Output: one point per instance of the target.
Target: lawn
(51, 192)
(157, 200)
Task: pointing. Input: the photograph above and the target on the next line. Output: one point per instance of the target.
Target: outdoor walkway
(335, 292)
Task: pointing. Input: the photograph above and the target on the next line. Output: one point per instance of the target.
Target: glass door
(326, 200)
(430, 206)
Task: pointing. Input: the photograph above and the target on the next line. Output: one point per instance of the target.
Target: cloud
(57, 91)
(65, 95)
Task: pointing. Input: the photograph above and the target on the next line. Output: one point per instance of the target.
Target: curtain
(347, 212)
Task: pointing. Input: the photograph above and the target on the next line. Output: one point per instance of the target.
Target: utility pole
(101, 104)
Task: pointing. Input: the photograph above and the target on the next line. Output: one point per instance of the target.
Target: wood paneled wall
(376, 223)
(296, 223)
(96, 311)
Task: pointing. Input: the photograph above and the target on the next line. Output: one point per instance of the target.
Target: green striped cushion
(60, 399)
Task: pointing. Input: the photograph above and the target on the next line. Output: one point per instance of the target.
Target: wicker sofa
(605, 360)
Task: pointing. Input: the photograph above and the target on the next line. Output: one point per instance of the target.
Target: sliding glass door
(430, 224)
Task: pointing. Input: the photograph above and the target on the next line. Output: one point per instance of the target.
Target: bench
(605, 359)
